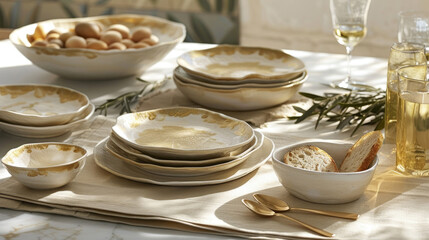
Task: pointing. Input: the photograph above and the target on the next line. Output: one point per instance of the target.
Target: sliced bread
(310, 158)
(360, 156)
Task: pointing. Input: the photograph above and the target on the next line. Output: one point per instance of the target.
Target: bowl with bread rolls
(98, 48)
(328, 172)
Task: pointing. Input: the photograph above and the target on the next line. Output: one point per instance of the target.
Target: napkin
(173, 97)
(217, 209)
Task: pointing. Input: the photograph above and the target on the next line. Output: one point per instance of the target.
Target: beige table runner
(388, 207)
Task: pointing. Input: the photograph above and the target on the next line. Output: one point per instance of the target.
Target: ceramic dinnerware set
(182, 146)
(239, 78)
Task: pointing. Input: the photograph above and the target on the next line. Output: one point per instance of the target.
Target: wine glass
(349, 22)
(414, 27)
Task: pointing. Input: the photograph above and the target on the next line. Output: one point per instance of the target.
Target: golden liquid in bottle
(412, 146)
(390, 112)
(349, 35)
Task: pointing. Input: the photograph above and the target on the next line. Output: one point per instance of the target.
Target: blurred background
(288, 24)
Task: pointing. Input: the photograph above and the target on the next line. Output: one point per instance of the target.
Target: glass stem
(349, 66)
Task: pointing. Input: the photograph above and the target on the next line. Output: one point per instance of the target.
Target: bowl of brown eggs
(98, 48)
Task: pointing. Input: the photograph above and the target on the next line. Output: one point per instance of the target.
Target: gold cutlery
(279, 205)
(264, 211)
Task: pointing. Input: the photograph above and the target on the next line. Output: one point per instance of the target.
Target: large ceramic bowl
(239, 99)
(45, 165)
(86, 64)
(40, 105)
(183, 133)
(323, 187)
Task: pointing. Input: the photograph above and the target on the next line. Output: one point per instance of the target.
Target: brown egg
(97, 45)
(55, 30)
(76, 42)
(58, 42)
(87, 30)
(153, 40)
(118, 46)
(53, 45)
(127, 42)
(122, 29)
(65, 36)
(39, 43)
(51, 36)
(141, 33)
(110, 37)
(140, 45)
(89, 40)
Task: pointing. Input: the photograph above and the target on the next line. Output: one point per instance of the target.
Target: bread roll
(310, 158)
(362, 153)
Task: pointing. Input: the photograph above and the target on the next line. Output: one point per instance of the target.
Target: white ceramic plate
(48, 131)
(182, 171)
(240, 99)
(186, 78)
(40, 105)
(88, 64)
(140, 157)
(236, 63)
(183, 133)
(122, 169)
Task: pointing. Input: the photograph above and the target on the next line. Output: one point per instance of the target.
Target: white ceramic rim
(44, 143)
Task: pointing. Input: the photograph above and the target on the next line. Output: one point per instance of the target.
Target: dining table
(392, 207)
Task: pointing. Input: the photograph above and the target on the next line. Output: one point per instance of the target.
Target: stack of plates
(239, 78)
(182, 147)
(40, 111)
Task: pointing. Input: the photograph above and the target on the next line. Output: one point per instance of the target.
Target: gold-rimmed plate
(182, 171)
(140, 157)
(40, 105)
(237, 63)
(183, 133)
(48, 131)
(119, 168)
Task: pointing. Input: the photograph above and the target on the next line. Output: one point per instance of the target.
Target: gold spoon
(264, 211)
(279, 205)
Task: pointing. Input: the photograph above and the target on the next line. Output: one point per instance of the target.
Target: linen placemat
(173, 97)
(99, 195)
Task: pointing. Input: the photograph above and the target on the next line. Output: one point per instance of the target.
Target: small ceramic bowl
(323, 187)
(45, 165)
(89, 64)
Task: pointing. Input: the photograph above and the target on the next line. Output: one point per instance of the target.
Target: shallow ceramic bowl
(181, 132)
(323, 187)
(40, 105)
(84, 64)
(45, 165)
(48, 131)
(238, 99)
(186, 78)
(237, 63)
